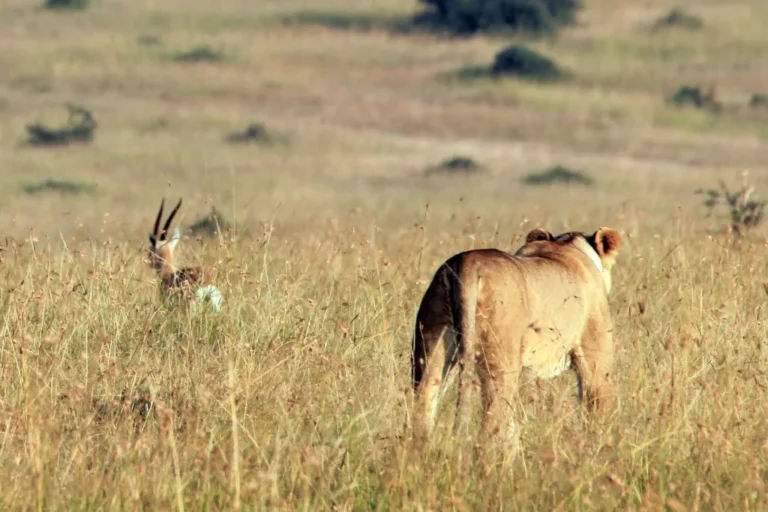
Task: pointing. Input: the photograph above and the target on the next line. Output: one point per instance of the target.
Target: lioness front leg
(593, 362)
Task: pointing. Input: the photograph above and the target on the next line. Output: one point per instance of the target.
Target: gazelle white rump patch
(209, 294)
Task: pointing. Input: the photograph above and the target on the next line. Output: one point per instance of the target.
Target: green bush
(253, 133)
(521, 61)
(59, 186)
(558, 174)
(80, 128)
(678, 18)
(454, 166)
(694, 95)
(157, 124)
(688, 94)
(200, 54)
(340, 20)
(744, 211)
(210, 225)
(471, 16)
(758, 100)
(149, 40)
(66, 4)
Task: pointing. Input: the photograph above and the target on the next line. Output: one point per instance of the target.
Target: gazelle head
(160, 246)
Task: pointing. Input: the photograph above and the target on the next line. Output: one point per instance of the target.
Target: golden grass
(297, 395)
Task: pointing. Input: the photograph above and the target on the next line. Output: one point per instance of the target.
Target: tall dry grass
(297, 395)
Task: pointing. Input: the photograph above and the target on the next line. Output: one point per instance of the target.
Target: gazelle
(190, 284)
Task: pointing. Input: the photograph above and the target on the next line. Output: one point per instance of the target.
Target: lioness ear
(607, 243)
(538, 235)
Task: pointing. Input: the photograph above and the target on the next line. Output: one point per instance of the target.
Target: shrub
(60, 186)
(678, 18)
(521, 61)
(471, 16)
(80, 128)
(155, 125)
(759, 100)
(253, 133)
(66, 4)
(558, 174)
(744, 211)
(200, 54)
(210, 225)
(149, 40)
(455, 166)
(688, 94)
(339, 20)
(694, 95)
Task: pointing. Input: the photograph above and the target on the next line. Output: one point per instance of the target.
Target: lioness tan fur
(545, 308)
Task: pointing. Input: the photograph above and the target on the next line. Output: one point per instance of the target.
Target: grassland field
(296, 396)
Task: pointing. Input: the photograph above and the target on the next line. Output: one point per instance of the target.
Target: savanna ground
(297, 395)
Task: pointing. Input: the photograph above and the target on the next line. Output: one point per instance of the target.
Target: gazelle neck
(163, 262)
(167, 269)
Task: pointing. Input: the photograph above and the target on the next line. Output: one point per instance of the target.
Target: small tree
(744, 211)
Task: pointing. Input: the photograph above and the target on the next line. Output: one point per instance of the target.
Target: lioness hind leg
(435, 370)
(466, 383)
(593, 362)
(499, 387)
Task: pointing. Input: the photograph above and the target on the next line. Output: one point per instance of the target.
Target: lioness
(544, 308)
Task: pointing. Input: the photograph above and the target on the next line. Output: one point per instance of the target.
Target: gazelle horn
(159, 216)
(170, 219)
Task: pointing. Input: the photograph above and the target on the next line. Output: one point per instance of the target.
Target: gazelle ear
(175, 237)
